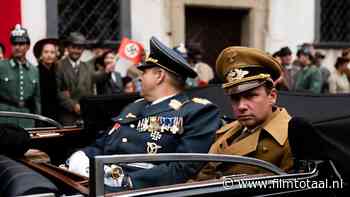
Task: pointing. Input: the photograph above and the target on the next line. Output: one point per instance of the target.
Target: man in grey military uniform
(19, 81)
(166, 120)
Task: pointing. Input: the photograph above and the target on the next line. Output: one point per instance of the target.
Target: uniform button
(132, 126)
(120, 119)
(21, 82)
(21, 77)
(21, 87)
(21, 98)
(124, 140)
(6, 79)
(21, 72)
(21, 93)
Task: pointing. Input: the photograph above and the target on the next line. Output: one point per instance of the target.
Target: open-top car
(321, 156)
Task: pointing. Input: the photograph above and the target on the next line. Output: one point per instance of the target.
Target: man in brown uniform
(261, 128)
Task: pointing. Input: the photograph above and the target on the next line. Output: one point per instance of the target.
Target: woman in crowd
(129, 85)
(46, 53)
(113, 84)
(338, 81)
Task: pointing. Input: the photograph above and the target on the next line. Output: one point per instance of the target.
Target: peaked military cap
(243, 68)
(166, 58)
(19, 35)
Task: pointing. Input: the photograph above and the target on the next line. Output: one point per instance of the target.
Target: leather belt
(14, 102)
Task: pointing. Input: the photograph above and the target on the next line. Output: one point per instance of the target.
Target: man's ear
(27, 47)
(160, 75)
(273, 96)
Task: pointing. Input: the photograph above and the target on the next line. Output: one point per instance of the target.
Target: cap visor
(244, 87)
(146, 65)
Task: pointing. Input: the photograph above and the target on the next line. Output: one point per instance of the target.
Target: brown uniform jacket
(269, 142)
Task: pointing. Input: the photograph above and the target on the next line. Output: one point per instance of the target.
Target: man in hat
(308, 78)
(75, 79)
(166, 120)
(261, 128)
(289, 69)
(19, 86)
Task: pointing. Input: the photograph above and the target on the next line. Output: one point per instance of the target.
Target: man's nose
(241, 104)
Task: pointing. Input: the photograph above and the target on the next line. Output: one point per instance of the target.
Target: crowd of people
(63, 78)
(307, 73)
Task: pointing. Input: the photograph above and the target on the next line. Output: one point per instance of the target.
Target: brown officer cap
(243, 68)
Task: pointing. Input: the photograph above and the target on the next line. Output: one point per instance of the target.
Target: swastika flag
(130, 50)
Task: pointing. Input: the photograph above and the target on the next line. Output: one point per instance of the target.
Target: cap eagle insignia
(236, 74)
(18, 31)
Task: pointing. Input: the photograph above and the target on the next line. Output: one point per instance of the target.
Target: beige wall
(290, 24)
(33, 14)
(149, 18)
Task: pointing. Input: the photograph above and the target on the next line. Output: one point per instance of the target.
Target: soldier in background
(289, 69)
(19, 81)
(308, 78)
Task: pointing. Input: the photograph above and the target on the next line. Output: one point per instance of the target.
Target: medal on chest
(158, 125)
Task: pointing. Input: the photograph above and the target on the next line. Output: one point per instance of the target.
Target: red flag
(10, 15)
(131, 50)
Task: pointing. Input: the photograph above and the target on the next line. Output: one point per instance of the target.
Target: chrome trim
(300, 176)
(96, 164)
(31, 116)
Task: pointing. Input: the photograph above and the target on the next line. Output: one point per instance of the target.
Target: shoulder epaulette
(201, 101)
(175, 104)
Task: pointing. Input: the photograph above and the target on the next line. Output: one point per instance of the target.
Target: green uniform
(19, 91)
(308, 79)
